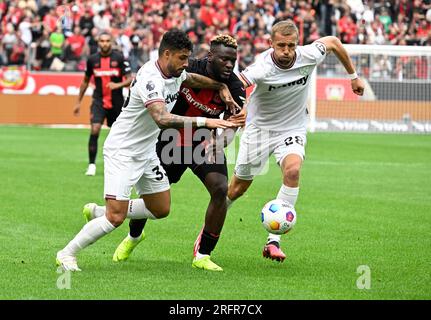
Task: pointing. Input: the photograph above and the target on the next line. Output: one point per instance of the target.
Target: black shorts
(175, 170)
(98, 113)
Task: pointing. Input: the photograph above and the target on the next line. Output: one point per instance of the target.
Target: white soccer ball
(278, 216)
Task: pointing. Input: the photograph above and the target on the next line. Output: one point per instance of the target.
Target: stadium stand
(59, 35)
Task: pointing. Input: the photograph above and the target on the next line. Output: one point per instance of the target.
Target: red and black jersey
(107, 69)
(204, 102)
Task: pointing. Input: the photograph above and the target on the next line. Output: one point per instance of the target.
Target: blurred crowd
(61, 34)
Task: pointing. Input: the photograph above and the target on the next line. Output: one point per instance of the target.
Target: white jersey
(134, 133)
(279, 99)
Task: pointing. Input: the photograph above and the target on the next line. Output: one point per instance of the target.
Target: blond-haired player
(277, 113)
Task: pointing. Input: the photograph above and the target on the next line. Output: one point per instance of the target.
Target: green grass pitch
(365, 200)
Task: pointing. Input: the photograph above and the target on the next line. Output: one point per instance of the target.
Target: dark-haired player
(111, 73)
(213, 174)
(130, 149)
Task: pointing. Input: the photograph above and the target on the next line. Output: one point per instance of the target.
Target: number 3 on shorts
(289, 140)
(159, 174)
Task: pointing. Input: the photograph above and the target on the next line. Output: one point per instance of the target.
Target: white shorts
(257, 145)
(122, 173)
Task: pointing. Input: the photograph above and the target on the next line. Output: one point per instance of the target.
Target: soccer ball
(278, 216)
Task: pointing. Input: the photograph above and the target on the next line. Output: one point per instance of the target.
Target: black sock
(92, 148)
(208, 242)
(136, 227)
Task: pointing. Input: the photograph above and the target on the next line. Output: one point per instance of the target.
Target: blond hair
(285, 28)
(224, 39)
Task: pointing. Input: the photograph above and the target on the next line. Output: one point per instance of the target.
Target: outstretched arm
(221, 140)
(165, 119)
(198, 81)
(333, 44)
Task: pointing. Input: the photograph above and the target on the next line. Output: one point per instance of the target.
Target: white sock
(200, 255)
(273, 238)
(229, 202)
(90, 233)
(133, 239)
(99, 211)
(289, 195)
(136, 210)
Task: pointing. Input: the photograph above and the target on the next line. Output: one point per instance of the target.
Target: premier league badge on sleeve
(150, 85)
(321, 47)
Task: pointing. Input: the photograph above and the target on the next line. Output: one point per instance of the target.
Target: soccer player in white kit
(277, 113)
(130, 149)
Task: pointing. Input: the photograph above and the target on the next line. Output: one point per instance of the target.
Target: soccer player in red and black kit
(111, 72)
(201, 103)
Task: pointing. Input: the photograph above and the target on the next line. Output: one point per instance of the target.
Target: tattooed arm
(164, 119)
(198, 81)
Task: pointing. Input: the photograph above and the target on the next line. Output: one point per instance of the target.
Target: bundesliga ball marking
(274, 207)
(290, 216)
(274, 225)
(278, 216)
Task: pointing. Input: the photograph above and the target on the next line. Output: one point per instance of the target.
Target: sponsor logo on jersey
(302, 81)
(106, 73)
(172, 97)
(185, 92)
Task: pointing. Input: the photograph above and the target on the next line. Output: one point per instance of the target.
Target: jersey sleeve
(150, 91)
(315, 51)
(238, 94)
(125, 67)
(252, 74)
(89, 69)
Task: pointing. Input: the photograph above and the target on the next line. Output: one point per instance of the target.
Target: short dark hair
(175, 39)
(103, 33)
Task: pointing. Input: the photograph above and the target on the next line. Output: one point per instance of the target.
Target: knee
(219, 191)
(161, 211)
(236, 190)
(95, 131)
(291, 174)
(116, 219)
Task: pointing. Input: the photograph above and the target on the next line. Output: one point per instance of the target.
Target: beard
(175, 72)
(105, 50)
